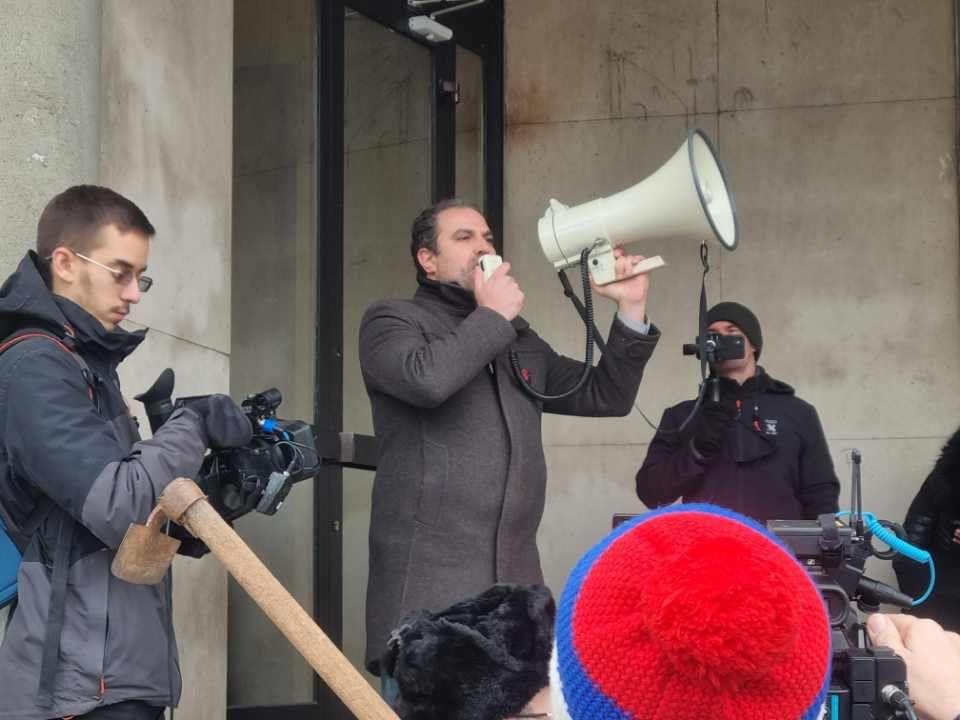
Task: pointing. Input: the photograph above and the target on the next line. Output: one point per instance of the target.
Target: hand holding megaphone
(629, 287)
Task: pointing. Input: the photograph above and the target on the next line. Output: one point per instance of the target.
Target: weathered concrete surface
(49, 110)
(776, 53)
(609, 59)
(166, 142)
(837, 127)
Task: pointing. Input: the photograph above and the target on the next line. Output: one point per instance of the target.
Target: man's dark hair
(423, 233)
(73, 218)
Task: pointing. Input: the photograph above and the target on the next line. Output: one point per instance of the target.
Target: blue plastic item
(9, 566)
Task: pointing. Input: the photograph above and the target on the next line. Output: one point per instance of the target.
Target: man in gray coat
(461, 478)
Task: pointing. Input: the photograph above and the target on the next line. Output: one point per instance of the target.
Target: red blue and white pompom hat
(691, 612)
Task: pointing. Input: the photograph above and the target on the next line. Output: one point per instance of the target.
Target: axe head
(146, 552)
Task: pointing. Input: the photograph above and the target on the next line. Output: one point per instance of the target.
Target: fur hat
(481, 659)
(690, 612)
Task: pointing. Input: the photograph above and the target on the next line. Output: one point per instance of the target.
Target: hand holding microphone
(500, 292)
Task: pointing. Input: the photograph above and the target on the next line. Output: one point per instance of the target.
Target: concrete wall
(137, 96)
(836, 125)
(273, 312)
(49, 105)
(166, 142)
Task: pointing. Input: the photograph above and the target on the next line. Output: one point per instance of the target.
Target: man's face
(462, 237)
(749, 359)
(96, 289)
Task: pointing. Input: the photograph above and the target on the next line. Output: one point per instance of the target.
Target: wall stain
(743, 97)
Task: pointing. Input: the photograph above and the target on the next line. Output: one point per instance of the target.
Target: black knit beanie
(740, 316)
(481, 659)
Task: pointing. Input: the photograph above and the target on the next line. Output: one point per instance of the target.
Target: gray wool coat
(461, 478)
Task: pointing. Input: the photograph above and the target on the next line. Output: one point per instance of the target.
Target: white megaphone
(687, 198)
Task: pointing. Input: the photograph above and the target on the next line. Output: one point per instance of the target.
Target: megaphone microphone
(686, 199)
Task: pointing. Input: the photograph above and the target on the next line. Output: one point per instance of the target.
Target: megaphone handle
(647, 264)
(644, 266)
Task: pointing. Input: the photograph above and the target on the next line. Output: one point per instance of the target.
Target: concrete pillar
(49, 105)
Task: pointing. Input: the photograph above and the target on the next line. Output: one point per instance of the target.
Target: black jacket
(85, 455)
(774, 462)
(930, 524)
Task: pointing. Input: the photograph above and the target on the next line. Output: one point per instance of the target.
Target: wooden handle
(293, 621)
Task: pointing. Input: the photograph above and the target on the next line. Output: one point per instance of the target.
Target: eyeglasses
(123, 277)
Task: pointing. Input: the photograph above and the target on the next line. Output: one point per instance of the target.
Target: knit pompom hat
(686, 613)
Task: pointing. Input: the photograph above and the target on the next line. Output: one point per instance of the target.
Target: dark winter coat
(461, 477)
(117, 641)
(774, 462)
(933, 517)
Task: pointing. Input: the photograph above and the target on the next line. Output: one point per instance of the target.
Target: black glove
(224, 421)
(189, 545)
(715, 418)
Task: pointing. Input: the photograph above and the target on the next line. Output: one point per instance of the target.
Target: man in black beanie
(760, 450)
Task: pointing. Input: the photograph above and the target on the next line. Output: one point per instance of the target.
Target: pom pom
(722, 622)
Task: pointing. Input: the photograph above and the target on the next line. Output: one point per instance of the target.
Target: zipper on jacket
(103, 688)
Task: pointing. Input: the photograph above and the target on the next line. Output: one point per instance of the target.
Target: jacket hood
(26, 302)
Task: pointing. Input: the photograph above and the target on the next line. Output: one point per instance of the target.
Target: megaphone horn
(687, 198)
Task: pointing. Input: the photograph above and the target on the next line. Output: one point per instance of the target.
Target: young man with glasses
(74, 472)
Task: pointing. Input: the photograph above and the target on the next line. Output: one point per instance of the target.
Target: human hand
(714, 421)
(629, 290)
(225, 423)
(500, 292)
(932, 657)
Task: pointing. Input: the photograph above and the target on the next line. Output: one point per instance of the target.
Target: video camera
(868, 682)
(257, 476)
(716, 347)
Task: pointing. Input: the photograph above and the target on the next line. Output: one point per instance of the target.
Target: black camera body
(834, 555)
(257, 476)
(717, 348)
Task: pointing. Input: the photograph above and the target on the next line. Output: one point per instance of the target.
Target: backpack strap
(63, 345)
(55, 612)
(65, 532)
(21, 537)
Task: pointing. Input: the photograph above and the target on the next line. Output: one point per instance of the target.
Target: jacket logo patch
(525, 374)
(770, 427)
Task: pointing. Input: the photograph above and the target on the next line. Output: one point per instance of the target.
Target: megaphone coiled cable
(588, 355)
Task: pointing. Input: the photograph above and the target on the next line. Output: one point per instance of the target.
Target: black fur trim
(481, 659)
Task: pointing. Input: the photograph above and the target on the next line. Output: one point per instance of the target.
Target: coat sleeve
(819, 487)
(56, 439)
(611, 388)
(670, 470)
(398, 360)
